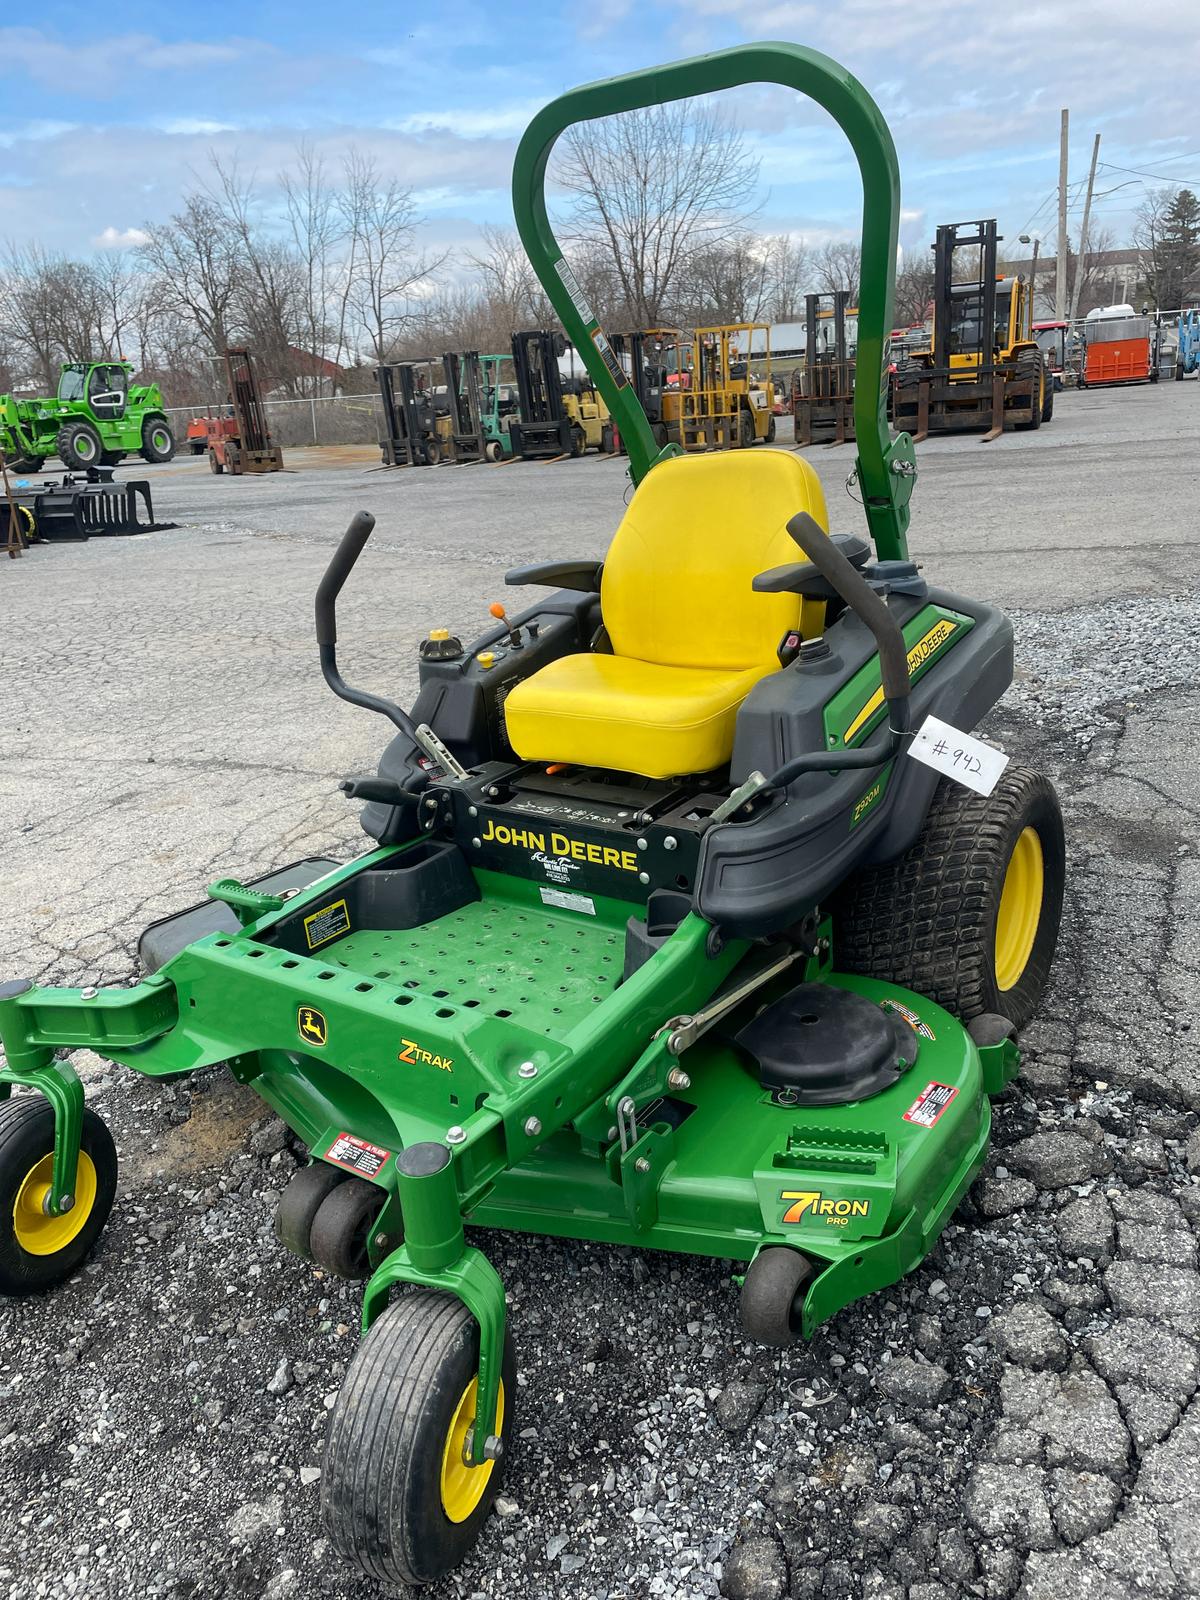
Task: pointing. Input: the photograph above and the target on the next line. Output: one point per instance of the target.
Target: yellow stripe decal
(917, 657)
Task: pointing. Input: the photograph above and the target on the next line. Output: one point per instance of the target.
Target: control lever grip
(384, 790)
(350, 547)
(862, 600)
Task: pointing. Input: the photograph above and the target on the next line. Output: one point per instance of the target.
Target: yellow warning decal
(326, 924)
(917, 657)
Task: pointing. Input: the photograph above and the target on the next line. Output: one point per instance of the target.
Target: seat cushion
(634, 716)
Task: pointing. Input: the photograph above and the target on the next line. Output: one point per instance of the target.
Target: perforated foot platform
(820, 1046)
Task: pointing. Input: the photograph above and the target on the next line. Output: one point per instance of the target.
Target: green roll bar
(886, 468)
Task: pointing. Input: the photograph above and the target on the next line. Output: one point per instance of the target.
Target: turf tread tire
(381, 1476)
(927, 920)
(26, 1136)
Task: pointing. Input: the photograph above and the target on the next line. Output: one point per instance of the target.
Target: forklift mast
(539, 382)
(409, 418)
(464, 395)
(246, 398)
(964, 311)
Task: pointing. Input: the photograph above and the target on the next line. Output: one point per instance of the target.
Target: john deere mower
(662, 939)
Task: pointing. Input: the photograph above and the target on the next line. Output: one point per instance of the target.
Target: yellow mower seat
(690, 637)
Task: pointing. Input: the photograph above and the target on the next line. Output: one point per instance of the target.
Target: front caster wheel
(38, 1251)
(773, 1295)
(396, 1495)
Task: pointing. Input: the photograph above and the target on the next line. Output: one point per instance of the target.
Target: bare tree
(789, 266)
(319, 230)
(914, 288)
(387, 272)
(654, 186)
(508, 281)
(836, 266)
(196, 266)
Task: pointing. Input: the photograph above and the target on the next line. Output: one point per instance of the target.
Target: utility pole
(1083, 232)
(1060, 263)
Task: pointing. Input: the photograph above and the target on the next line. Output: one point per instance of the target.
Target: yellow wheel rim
(39, 1234)
(463, 1486)
(1020, 909)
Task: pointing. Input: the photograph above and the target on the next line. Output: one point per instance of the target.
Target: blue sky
(106, 111)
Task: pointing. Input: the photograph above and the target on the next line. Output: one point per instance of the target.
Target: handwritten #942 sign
(957, 755)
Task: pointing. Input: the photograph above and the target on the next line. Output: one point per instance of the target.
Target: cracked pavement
(1018, 1418)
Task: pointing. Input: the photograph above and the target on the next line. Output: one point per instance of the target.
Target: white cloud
(498, 122)
(193, 125)
(119, 238)
(30, 53)
(33, 132)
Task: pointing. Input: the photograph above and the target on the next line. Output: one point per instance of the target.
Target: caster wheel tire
(969, 915)
(494, 451)
(396, 1496)
(38, 1252)
(341, 1228)
(299, 1204)
(773, 1296)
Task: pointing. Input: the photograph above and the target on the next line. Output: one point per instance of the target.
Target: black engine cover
(820, 1046)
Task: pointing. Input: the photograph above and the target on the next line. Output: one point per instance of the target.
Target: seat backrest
(677, 579)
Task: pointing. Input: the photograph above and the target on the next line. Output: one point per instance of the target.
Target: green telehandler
(96, 419)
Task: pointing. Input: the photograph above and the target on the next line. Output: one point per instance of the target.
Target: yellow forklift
(823, 384)
(656, 362)
(558, 415)
(983, 368)
(723, 406)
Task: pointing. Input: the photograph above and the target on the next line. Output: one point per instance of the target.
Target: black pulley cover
(820, 1046)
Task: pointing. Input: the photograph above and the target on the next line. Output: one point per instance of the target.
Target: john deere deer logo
(312, 1025)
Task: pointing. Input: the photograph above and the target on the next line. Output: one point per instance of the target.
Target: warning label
(578, 299)
(929, 1104)
(356, 1155)
(326, 924)
(911, 1017)
(569, 902)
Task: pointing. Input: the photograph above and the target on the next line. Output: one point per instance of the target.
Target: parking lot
(1011, 1420)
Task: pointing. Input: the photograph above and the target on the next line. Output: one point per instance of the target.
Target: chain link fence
(345, 419)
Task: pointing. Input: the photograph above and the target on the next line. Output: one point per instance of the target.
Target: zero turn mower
(663, 938)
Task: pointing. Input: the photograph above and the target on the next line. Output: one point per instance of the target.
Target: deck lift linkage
(651, 976)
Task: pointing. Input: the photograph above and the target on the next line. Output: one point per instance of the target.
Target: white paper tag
(968, 761)
(569, 902)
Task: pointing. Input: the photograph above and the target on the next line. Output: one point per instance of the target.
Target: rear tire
(215, 465)
(773, 1296)
(745, 430)
(937, 920)
(578, 441)
(38, 1252)
(79, 446)
(771, 429)
(608, 442)
(1048, 404)
(493, 450)
(27, 464)
(393, 1453)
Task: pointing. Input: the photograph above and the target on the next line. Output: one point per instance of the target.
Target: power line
(1162, 177)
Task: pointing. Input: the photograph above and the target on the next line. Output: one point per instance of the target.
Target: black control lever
(339, 569)
(893, 667)
(385, 790)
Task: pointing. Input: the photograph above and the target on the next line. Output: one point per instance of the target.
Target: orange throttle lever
(514, 634)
